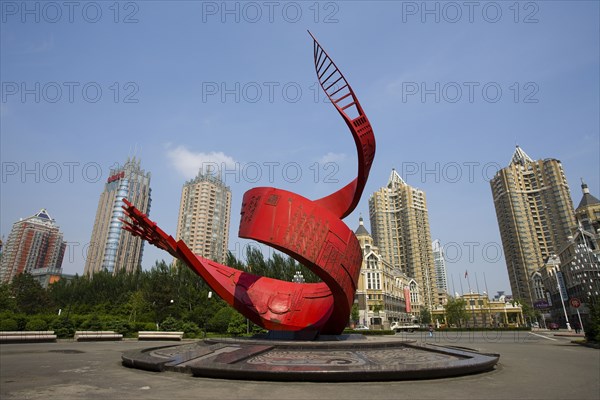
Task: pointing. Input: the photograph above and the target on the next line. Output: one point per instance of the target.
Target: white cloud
(188, 163)
(332, 158)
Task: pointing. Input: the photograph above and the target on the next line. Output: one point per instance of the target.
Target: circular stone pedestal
(351, 358)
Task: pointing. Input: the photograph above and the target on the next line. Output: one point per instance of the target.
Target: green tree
(36, 324)
(528, 312)
(171, 324)
(103, 293)
(159, 291)
(220, 321)
(93, 323)
(8, 324)
(425, 316)
(190, 329)
(592, 329)
(354, 315)
(63, 327)
(277, 267)
(30, 296)
(456, 311)
(137, 305)
(7, 300)
(238, 325)
(188, 286)
(377, 308)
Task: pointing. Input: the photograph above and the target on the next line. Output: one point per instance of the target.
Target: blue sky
(450, 89)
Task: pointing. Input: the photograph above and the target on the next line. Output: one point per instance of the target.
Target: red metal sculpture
(311, 232)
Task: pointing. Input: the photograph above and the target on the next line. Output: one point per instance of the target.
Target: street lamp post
(366, 310)
(209, 296)
(580, 322)
(562, 301)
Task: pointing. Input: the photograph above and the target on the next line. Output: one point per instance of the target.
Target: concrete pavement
(534, 365)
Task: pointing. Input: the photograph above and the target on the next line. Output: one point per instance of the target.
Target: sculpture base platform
(351, 358)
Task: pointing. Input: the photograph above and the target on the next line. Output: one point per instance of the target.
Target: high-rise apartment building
(535, 216)
(204, 215)
(400, 228)
(34, 244)
(111, 248)
(441, 281)
(439, 261)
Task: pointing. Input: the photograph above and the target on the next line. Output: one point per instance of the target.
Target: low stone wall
(81, 336)
(27, 336)
(158, 335)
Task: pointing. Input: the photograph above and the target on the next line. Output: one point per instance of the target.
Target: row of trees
(456, 311)
(165, 297)
(168, 298)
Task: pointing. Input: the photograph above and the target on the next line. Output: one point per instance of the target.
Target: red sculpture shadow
(311, 232)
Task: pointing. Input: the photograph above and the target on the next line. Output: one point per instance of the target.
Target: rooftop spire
(395, 179)
(588, 199)
(361, 228)
(520, 157)
(584, 187)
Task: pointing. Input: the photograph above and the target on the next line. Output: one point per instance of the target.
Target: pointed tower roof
(41, 217)
(587, 199)
(395, 179)
(43, 214)
(520, 157)
(361, 231)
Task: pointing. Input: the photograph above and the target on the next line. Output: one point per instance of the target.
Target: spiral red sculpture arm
(341, 95)
(311, 232)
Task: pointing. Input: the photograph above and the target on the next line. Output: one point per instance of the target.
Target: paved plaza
(533, 365)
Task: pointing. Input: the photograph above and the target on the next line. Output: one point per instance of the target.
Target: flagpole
(453, 289)
(483, 319)
(486, 289)
(470, 298)
(487, 295)
(468, 280)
